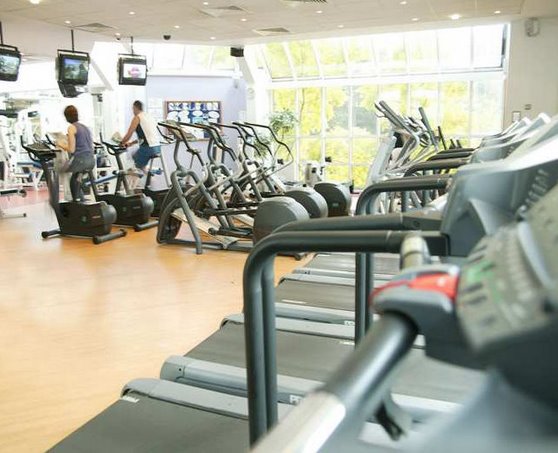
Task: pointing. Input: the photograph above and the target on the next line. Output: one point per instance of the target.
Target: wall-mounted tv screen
(132, 70)
(10, 59)
(73, 67)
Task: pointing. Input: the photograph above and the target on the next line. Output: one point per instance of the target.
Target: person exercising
(145, 127)
(80, 147)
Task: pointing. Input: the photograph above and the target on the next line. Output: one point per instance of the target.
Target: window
(390, 53)
(168, 56)
(304, 59)
(360, 56)
(332, 85)
(277, 61)
(310, 111)
(332, 58)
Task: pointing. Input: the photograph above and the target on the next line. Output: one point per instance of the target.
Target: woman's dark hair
(71, 114)
(138, 105)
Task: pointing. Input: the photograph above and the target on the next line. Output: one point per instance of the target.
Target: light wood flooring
(77, 321)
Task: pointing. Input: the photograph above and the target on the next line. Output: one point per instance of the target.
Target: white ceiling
(153, 18)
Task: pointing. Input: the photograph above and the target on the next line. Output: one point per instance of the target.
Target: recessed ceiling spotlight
(177, 26)
(132, 13)
(455, 16)
(403, 2)
(340, 26)
(213, 38)
(68, 22)
(117, 34)
(205, 3)
(34, 2)
(243, 19)
(415, 19)
(319, 11)
(497, 12)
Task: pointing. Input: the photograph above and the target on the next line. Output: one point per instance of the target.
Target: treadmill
(483, 197)
(505, 303)
(343, 265)
(158, 415)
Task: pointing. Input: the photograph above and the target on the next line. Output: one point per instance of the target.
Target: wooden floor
(77, 321)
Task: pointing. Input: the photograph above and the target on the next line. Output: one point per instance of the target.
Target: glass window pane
(284, 99)
(487, 106)
(332, 60)
(197, 58)
(337, 173)
(310, 149)
(390, 53)
(304, 60)
(277, 61)
(423, 51)
(365, 121)
(337, 150)
(454, 108)
(310, 111)
(425, 95)
(488, 42)
(337, 111)
(168, 56)
(455, 48)
(222, 60)
(395, 94)
(360, 57)
(364, 150)
(359, 176)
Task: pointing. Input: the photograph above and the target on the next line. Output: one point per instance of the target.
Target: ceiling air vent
(95, 27)
(223, 11)
(272, 31)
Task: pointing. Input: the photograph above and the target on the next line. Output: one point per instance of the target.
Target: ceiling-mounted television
(10, 60)
(132, 70)
(73, 67)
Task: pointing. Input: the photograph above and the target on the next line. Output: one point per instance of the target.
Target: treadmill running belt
(383, 263)
(300, 292)
(314, 357)
(150, 425)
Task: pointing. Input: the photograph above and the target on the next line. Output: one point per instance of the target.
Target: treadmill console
(507, 299)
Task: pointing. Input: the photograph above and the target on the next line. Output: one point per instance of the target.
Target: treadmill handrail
(259, 308)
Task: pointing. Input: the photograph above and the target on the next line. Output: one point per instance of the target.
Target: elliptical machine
(82, 219)
(132, 210)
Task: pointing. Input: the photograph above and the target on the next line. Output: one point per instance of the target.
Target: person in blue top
(145, 128)
(80, 147)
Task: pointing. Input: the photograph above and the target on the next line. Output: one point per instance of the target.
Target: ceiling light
(243, 19)
(213, 38)
(403, 2)
(68, 22)
(206, 3)
(497, 12)
(455, 16)
(415, 19)
(34, 2)
(319, 11)
(177, 26)
(132, 13)
(341, 26)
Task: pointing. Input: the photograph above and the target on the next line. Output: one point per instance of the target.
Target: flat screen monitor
(10, 60)
(73, 67)
(132, 70)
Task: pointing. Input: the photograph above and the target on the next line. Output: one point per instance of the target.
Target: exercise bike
(133, 210)
(82, 219)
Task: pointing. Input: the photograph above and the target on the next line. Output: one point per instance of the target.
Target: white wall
(533, 70)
